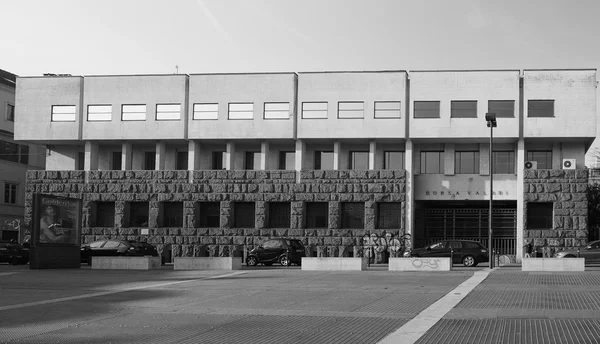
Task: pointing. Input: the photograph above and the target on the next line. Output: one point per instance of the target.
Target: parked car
(591, 252)
(277, 250)
(469, 253)
(13, 252)
(116, 248)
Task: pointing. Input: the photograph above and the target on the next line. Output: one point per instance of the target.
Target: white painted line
(7, 273)
(416, 328)
(85, 296)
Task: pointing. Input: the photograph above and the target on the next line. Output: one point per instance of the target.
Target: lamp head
(490, 117)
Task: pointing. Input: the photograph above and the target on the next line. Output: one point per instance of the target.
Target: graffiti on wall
(375, 245)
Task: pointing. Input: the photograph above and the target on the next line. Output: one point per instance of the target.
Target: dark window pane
(81, 161)
(172, 214)
(358, 161)
(287, 161)
(138, 214)
(504, 162)
(279, 214)
(210, 215)
(149, 161)
(252, 161)
(466, 162)
(323, 160)
(10, 112)
(353, 215)
(244, 215)
(427, 109)
(463, 109)
(317, 215)
(432, 162)
(218, 160)
(502, 108)
(105, 214)
(388, 215)
(10, 193)
(543, 158)
(539, 216)
(9, 151)
(116, 160)
(393, 160)
(24, 154)
(182, 161)
(540, 108)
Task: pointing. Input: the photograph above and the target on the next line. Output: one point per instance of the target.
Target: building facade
(216, 163)
(15, 159)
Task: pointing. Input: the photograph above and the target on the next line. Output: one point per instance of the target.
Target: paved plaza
(288, 305)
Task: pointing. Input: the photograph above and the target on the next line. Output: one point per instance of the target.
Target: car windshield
(437, 246)
(295, 244)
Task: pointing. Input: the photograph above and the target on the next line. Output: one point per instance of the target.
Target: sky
(97, 37)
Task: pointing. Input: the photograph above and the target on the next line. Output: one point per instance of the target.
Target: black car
(116, 248)
(13, 252)
(277, 250)
(469, 253)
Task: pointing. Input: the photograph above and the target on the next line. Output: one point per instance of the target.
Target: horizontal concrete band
(126, 263)
(208, 263)
(420, 264)
(553, 264)
(334, 264)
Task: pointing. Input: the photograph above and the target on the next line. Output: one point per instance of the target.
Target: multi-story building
(215, 163)
(15, 160)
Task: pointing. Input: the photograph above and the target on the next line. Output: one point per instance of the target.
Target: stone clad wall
(568, 190)
(226, 187)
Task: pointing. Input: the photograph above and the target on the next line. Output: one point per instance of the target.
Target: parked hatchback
(469, 253)
(591, 252)
(279, 250)
(116, 248)
(12, 252)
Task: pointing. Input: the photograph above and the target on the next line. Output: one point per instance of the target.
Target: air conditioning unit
(568, 164)
(531, 165)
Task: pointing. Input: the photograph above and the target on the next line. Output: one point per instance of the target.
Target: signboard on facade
(464, 187)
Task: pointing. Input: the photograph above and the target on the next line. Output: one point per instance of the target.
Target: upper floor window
(206, 111)
(466, 162)
(287, 160)
(138, 214)
(389, 215)
(209, 214)
(502, 108)
(252, 161)
(10, 193)
(463, 109)
(393, 160)
(317, 215)
(168, 112)
(10, 112)
(104, 214)
(432, 162)
(427, 109)
(172, 214)
(64, 113)
(244, 214)
(540, 108)
(99, 113)
(311, 110)
(218, 160)
(323, 160)
(504, 162)
(353, 215)
(9, 151)
(543, 158)
(279, 215)
(241, 110)
(277, 111)
(351, 110)
(358, 161)
(133, 112)
(387, 110)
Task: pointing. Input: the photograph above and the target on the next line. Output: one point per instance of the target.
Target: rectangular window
(10, 112)
(98, 113)
(10, 193)
(463, 109)
(388, 215)
(287, 161)
(543, 158)
(182, 160)
(168, 112)
(314, 110)
(9, 151)
(116, 161)
(241, 110)
(353, 215)
(317, 215)
(244, 213)
(105, 214)
(466, 162)
(540, 215)
(138, 214)
(427, 109)
(323, 160)
(358, 161)
(252, 161)
(133, 112)
(432, 162)
(64, 113)
(279, 214)
(80, 161)
(218, 160)
(210, 214)
(351, 110)
(393, 160)
(149, 161)
(504, 162)
(387, 110)
(502, 108)
(24, 157)
(206, 111)
(277, 111)
(172, 214)
(540, 108)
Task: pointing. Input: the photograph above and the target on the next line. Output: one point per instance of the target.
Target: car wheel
(251, 261)
(285, 260)
(469, 261)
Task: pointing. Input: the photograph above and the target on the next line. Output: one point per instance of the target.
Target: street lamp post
(490, 117)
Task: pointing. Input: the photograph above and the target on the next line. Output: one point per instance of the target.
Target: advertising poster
(57, 220)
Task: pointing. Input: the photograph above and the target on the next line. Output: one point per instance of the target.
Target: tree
(593, 196)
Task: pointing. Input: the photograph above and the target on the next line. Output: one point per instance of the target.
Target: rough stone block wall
(226, 187)
(567, 189)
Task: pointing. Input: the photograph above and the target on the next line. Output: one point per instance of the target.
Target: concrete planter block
(553, 264)
(420, 264)
(334, 264)
(126, 263)
(208, 263)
